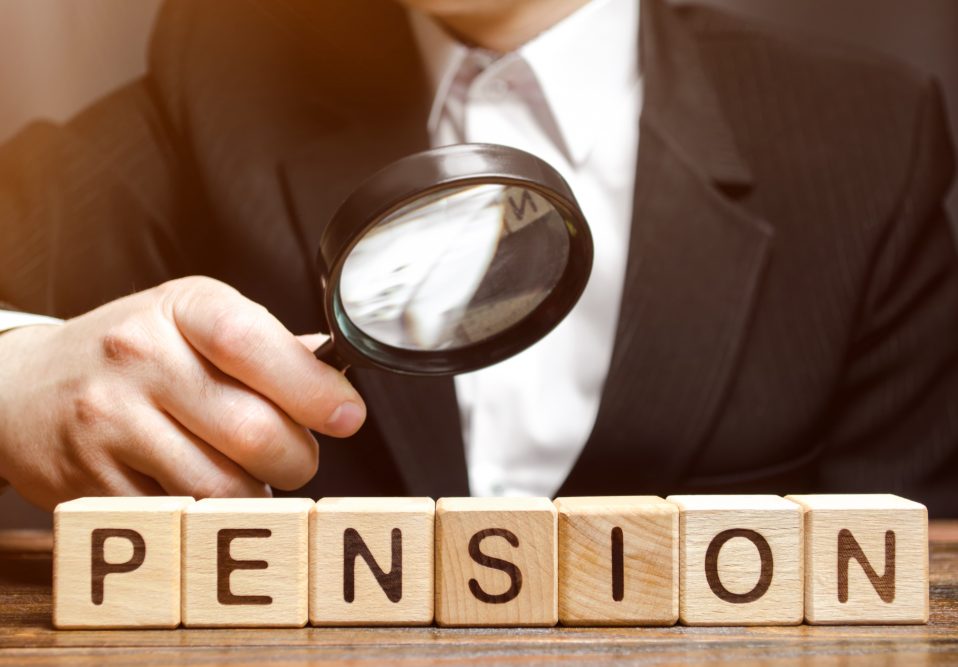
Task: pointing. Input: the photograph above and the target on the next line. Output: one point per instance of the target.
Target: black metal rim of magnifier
(423, 173)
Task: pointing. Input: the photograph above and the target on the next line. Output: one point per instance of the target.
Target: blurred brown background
(56, 56)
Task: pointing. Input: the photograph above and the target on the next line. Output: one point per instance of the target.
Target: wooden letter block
(116, 562)
(371, 561)
(618, 561)
(245, 562)
(496, 562)
(741, 560)
(866, 559)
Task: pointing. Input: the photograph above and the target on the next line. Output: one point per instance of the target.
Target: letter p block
(117, 563)
(496, 562)
(741, 560)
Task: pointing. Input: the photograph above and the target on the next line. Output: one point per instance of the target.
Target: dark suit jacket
(790, 315)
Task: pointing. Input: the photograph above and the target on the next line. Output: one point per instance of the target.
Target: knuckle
(299, 465)
(92, 406)
(127, 343)
(232, 334)
(254, 434)
(191, 284)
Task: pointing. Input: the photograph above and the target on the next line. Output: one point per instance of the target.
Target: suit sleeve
(88, 210)
(896, 417)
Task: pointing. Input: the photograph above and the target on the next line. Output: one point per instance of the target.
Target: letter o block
(245, 562)
(866, 559)
(741, 560)
(496, 562)
(116, 562)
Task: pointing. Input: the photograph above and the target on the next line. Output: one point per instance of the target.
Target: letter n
(390, 582)
(849, 548)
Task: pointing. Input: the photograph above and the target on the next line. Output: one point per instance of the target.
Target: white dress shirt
(572, 96)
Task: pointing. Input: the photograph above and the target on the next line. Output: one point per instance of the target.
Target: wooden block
(618, 561)
(371, 561)
(245, 562)
(116, 562)
(496, 562)
(741, 560)
(866, 559)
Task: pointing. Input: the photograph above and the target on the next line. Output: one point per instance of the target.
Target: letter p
(99, 567)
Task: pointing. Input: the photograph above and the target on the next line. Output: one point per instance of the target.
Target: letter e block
(866, 559)
(741, 560)
(496, 562)
(371, 561)
(246, 562)
(116, 562)
(618, 561)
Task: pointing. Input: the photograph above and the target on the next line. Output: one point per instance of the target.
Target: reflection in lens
(454, 267)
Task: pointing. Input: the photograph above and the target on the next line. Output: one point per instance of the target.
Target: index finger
(245, 341)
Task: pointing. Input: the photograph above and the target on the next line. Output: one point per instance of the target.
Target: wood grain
(27, 638)
(398, 535)
(118, 562)
(245, 562)
(496, 562)
(866, 559)
(618, 561)
(741, 560)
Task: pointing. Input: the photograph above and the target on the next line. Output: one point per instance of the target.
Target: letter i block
(116, 562)
(741, 560)
(618, 561)
(371, 561)
(496, 562)
(245, 562)
(866, 559)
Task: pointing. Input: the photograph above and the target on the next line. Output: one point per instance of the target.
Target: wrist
(20, 368)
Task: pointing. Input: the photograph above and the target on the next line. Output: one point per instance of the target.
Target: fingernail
(347, 418)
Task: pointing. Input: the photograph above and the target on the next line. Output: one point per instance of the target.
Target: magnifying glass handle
(328, 355)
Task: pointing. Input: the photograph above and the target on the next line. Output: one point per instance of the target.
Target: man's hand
(188, 389)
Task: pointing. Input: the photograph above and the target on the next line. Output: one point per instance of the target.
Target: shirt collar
(583, 65)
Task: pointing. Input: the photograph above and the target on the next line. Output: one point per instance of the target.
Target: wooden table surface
(26, 637)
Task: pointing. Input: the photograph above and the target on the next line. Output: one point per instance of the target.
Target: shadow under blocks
(506, 562)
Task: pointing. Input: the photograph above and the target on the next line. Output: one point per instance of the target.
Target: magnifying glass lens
(454, 267)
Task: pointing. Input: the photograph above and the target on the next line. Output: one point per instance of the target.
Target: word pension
(629, 560)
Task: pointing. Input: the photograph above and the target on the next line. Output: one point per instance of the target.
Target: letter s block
(496, 562)
(866, 559)
(116, 562)
(741, 560)
(245, 562)
(371, 561)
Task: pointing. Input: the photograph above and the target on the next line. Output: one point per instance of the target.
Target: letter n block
(496, 562)
(371, 561)
(741, 560)
(866, 559)
(246, 562)
(618, 561)
(116, 562)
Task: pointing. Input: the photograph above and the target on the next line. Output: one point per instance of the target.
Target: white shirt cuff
(11, 319)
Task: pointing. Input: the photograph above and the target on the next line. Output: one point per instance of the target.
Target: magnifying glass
(450, 260)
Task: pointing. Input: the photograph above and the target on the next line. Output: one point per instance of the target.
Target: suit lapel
(372, 126)
(694, 267)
